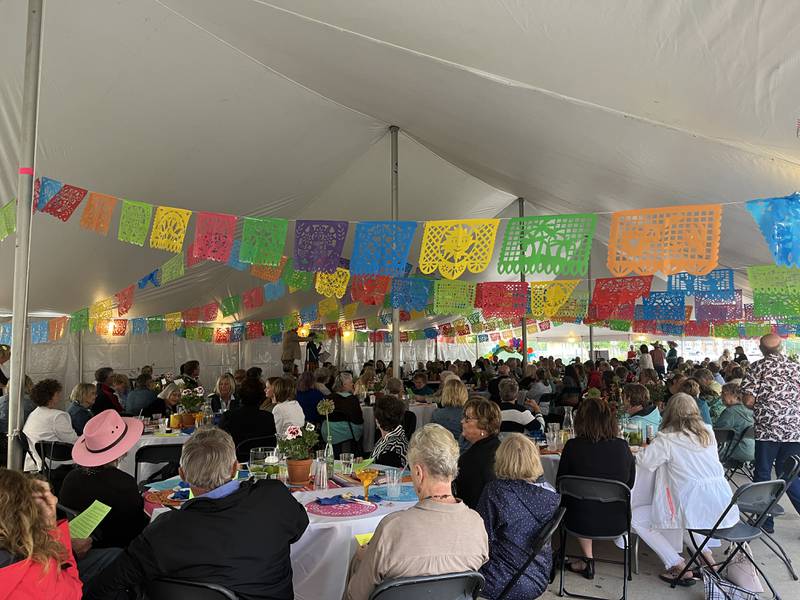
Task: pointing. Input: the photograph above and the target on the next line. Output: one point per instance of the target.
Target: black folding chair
(725, 438)
(750, 512)
(607, 491)
(760, 497)
(243, 448)
(50, 452)
(736, 467)
(178, 589)
(538, 543)
(155, 455)
(452, 586)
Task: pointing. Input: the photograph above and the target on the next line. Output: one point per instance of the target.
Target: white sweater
(47, 425)
(288, 413)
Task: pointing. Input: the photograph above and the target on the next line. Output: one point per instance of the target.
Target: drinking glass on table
(258, 462)
(367, 476)
(347, 463)
(393, 481)
(271, 462)
(156, 417)
(552, 440)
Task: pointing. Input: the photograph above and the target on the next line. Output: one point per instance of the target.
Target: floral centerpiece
(192, 401)
(297, 444)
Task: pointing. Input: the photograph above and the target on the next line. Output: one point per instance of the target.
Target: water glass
(393, 481)
(156, 417)
(163, 425)
(347, 463)
(258, 462)
(321, 474)
(552, 440)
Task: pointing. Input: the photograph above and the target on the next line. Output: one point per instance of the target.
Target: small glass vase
(329, 458)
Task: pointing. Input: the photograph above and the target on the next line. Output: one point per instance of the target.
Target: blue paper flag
(671, 329)
(5, 334)
(411, 293)
(309, 313)
(382, 247)
(431, 333)
(233, 260)
(778, 220)
(664, 306)
(483, 337)
(237, 332)
(48, 188)
(153, 278)
(717, 284)
(139, 326)
(39, 332)
(276, 338)
(274, 290)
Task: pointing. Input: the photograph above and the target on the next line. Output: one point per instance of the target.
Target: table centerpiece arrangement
(192, 401)
(297, 445)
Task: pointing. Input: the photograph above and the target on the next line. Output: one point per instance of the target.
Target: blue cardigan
(514, 512)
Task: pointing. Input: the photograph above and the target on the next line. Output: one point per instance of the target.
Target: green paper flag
(79, 321)
(782, 304)
(206, 334)
(619, 325)
(296, 280)
(82, 526)
(263, 240)
(173, 269)
(453, 296)
(230, 305)
(8, 219)
(757, 329)
(726, 330)
(272, 326)
(155, 324)
(134, 222)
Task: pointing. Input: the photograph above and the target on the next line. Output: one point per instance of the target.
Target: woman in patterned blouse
(392, 448)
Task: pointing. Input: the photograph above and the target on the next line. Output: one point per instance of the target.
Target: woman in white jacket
(690, 488)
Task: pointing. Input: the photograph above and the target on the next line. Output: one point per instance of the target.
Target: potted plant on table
(192, 401)
(297, 444)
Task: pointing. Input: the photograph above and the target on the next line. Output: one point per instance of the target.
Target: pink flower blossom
(293, 432)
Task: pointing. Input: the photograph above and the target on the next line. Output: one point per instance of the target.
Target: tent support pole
(589, 286)
(19, 308)
(393, 131)
(524, 351)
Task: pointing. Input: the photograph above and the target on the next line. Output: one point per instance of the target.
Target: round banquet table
(128, 462)
(321, 558)
(423, 411)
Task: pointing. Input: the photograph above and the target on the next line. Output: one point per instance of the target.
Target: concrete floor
(608, 578)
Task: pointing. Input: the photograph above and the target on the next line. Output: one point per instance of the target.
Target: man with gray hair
(771, 388)
(224, 535)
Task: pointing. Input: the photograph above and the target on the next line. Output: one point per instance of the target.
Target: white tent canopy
(281, 108)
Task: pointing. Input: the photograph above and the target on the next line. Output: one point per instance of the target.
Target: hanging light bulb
(347, 334)
(110, 328)
(303, 330)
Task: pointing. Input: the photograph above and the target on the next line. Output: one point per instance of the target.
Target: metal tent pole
(589, 285)
(393, 131)
(521, 202)
(19, 307)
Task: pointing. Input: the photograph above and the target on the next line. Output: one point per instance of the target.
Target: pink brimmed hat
(106, 437)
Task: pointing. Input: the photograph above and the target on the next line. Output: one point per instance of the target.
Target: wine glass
(367, 476)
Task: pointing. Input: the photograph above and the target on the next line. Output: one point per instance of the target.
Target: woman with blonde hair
(81, 398)
(515, 507)
(690, 491)
(287, 410)
(223, 397)
(451, 406)
(365, 382)
(36, 558)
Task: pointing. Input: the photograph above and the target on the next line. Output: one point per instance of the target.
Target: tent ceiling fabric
(280, 108)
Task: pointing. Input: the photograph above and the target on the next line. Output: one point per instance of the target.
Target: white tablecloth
(424, 414)
(321, 558)
(128, 462)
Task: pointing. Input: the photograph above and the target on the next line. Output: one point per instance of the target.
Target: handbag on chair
(721, 589)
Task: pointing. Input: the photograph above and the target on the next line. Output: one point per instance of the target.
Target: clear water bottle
(329, 458)
(568, 425)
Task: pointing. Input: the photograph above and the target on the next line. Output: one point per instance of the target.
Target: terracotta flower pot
(299, 471)
(187, 420)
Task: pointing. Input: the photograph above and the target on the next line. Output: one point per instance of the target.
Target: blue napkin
(338, 499)
(180, 495)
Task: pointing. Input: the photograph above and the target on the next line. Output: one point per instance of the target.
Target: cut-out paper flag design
(266, 273)
(274, 290)
(139, 326)
(263, 240)
(230, 305)
(155, 324)
(318, 245)
(213, 236)
(382, 247)
(8, 219)
(124, 300)
(56, 328)
(774, 278)
(664, 306)
(778, 304)
(97, 213)
(296, 280)
(547, 297)
(718, 310)
(309, 314)
(79, 320)
(727, 330)
(39, 332)
(237, 332)
(612, 292)
(210, 311)
(233, 259)
(453, 296)
(173, 269)
(169, 228)
(502, 298)
(253, 298)
(778, 220)
(64, 203)
(453, 247)
(119, 328)
(222, 335)
(619, 325)
(333, 285)
(575, 308)
(410, 293)
(5, 333)
(47, 190)
(752, 330)
(349, 311)
(370, 289)
(697, 328)
(558, 244)
(173, 321)
(152, 278)
(670, 240)
(718, 283)
(328, 308)
(191, 316)
(255, 330)
(273, 327)
(190, 258)
(134, 222)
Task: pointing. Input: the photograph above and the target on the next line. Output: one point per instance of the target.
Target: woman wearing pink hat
(106, 438)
